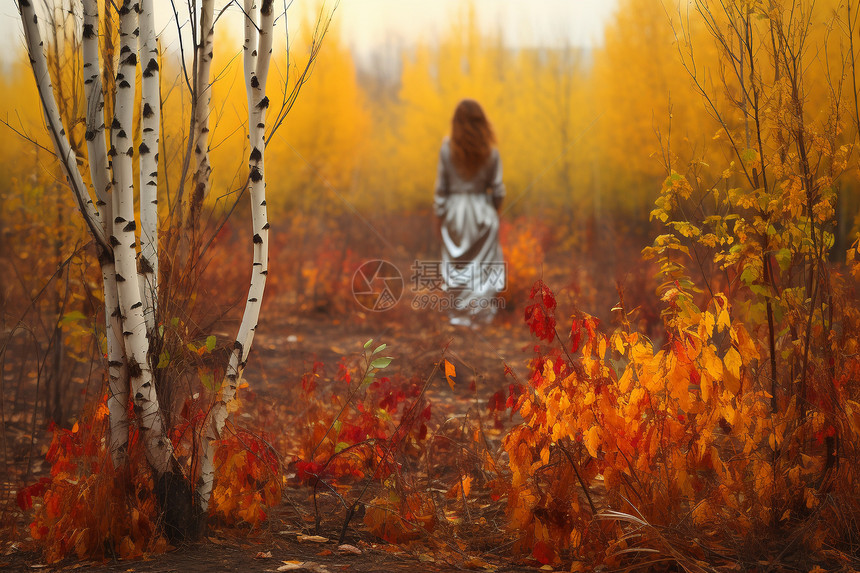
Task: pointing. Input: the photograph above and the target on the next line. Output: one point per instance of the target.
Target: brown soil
(284, 349)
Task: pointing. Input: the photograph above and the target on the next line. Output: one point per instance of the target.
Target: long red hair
(472, 138)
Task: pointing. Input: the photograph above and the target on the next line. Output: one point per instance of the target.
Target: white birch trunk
(100, 176)
(202, 109)
(148, 151)
(157, 446)
(258, 51)
(39, 64)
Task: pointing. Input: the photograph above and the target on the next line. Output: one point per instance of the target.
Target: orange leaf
(450, 373)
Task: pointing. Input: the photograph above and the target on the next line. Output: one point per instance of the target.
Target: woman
(469, 193)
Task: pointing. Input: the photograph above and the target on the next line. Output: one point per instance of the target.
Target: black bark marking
(258, 240)
(263, 204)
(130, 151)
(256, 155)
(115, 364)
(124, 84)
(255, 174)
(143, 149)
(252, 299)
(121, 133)
(134, 370)
(147, 110)
(88, 31)
(136, 305)
(144, 267)
(266, 227)
(255, 83)
(130, 226)
(120, 278)
(131, 60)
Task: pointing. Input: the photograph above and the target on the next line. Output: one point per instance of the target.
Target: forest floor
(286, 347)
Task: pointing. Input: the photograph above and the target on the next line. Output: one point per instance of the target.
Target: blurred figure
(469, 194)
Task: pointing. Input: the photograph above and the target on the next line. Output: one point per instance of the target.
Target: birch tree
(126, 238)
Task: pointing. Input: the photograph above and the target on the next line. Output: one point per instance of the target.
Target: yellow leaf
(450, 373)
(733, 362)
(723, 321)
(746, 346)
(592, 441)
(548, 372)
(619, 343)
(526, 408)
(589, 398)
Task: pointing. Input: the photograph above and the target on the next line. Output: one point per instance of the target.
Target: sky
(372, 25)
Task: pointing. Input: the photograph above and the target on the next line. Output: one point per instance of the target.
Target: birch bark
(150, 115)
(202, 109)
(100, 176)
(258, 51)
(157, 446)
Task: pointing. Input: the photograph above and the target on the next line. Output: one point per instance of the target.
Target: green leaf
(73, 316)
(340, 446)
(379, 349)
(163, 359)
(174, 322)
(783, 257)
(337, 426)
(210, 342)
(207, 381)
(381, 362)
(748, 155)
(368, 343)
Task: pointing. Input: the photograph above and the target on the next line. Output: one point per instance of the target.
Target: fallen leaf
(263, 555)
(477, 563)
(324, 553)
(349, 549)
(302, 566)
(311, 539)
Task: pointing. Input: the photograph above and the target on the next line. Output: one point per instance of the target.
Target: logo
(377, 285)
